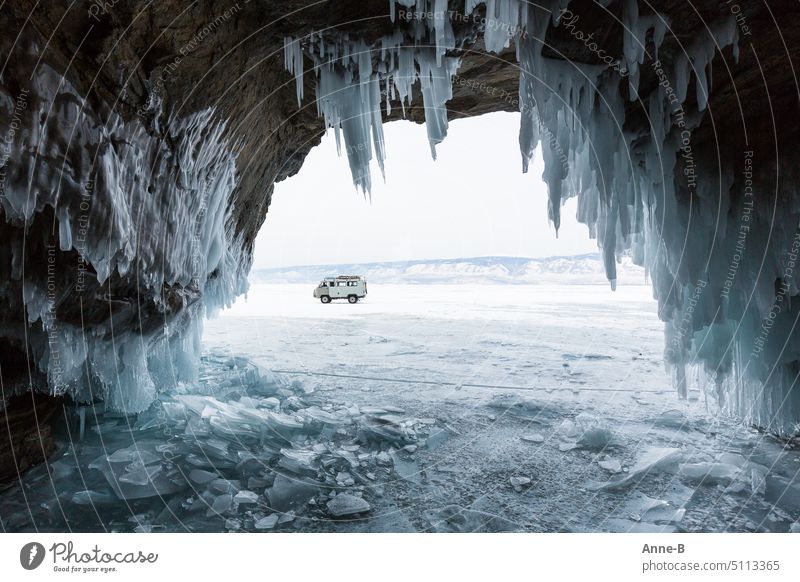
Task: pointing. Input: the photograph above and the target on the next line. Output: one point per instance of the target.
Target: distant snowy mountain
(578, 269)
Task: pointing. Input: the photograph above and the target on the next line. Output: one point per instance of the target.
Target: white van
(350, 287)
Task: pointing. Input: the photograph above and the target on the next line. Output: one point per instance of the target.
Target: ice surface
(209, 460)
(519, 483)
(453, 518)
(485, 449)
(474, 471)
(758, 480)
(221, 505)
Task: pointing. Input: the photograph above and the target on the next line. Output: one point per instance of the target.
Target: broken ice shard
(289, 493)
(344, 505)
(652, 460)
(135, 480)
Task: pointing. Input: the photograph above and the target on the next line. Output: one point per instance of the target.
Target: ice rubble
(246, 450)
(140, 209)
(646, 192)
(243, 449)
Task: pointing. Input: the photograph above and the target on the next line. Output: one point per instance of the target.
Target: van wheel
(352, 298)
(325, 299)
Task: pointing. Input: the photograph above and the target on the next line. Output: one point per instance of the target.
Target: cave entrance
(488, 358)
(468, 282)
(483, 385)
(471, 201)
(484, 340)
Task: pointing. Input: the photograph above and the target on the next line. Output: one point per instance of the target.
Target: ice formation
(674, 208)
(136, 210)
(145, 200)
(354, 79)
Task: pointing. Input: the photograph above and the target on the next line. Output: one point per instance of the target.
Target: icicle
(441, 24)
(437, 89)
(293, 61)
(470, 5)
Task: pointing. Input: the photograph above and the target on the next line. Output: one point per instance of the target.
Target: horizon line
(401, 261)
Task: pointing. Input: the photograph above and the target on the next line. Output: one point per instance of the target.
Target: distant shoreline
(575, 269)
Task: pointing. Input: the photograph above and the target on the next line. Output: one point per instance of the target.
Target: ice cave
(141, 144)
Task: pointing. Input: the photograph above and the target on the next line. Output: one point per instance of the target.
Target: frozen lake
(577, 355)
(543, 336)
(423, 408)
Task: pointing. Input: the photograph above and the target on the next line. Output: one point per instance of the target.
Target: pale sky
(472, 201)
